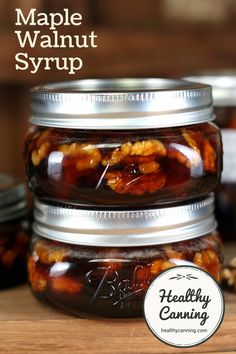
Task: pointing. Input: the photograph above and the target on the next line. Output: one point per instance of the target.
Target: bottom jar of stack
(14, 232)
(105, 266)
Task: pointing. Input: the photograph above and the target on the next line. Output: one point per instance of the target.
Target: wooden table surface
(27, 326)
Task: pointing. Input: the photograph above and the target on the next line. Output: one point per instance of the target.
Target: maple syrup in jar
(14, 232)
(102, 262)
(122, 142)
(224, 101)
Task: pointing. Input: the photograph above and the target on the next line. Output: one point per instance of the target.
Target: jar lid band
(13, 211)
(10, 190)
(134, 239)
(223, 84)
(121, 104)
(125, 228)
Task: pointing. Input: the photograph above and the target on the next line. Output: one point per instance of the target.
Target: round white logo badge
(184, 306)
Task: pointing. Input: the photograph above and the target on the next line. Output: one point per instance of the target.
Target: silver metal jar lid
(125, 228)
(121, 104)
(223, 84)
(12, 198)
(13, 212)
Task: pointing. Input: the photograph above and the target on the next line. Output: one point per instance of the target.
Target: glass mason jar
(102, 262)
(122, 142)
(14, 232)
(224, 100)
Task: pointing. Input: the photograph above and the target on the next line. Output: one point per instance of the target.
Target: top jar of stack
(122, 142)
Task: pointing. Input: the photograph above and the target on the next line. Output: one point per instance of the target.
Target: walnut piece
(136, 185)
(161, 265)
(185, 155)
(229, 274)
(174, 153)
(149, 167)
(209, 157)
(189, 139)
(42, 146)
(87, 156)
(45, 136)
(173, 254)
(209, 260)
(189, 156)
(143, 148)
(37, 278)
(48, 254)
(39, 154)
(65, 284)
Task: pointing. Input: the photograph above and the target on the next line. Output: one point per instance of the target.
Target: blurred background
(152, 38)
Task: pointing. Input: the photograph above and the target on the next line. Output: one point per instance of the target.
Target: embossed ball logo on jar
(184, 306)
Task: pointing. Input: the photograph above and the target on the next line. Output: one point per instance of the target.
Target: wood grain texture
(27, 326)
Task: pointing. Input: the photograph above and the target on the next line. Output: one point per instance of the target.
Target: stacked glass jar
(122, 171)
(223, 83)
(15, 230)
